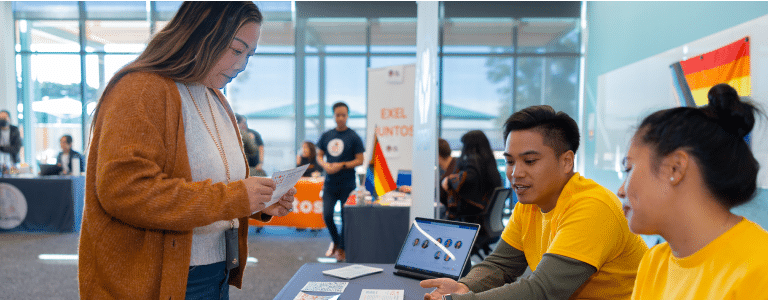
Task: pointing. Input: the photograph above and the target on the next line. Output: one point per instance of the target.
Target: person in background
(255, 162)
(168, 196)
(249, 145)
(339, 151)
(568, 229)
(10, 141)
(470, 187)
(687, 167)
(308, 156)
(446, 164)
(67, 155)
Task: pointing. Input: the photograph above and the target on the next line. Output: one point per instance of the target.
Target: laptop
(436, 248)
(48, 169)
(403, 177)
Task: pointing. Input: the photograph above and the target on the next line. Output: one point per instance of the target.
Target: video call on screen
(420, 252)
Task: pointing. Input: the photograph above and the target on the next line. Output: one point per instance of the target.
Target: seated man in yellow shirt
(568, 229)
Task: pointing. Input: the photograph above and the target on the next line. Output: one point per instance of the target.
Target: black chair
(491, 223)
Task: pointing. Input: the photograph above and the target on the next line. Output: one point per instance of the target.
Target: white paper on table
(284, 181)
(303, 296)
(331, 287)
(352, 271)
(370, 294)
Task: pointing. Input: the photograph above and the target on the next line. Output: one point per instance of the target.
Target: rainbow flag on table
(729, 64)
(378, 179)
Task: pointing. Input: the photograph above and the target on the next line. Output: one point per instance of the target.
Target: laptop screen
(422, 254)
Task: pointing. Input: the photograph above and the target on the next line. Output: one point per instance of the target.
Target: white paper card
(284, 181)
(331, 287)
(368, 294)
(352, 271)
(303, 296)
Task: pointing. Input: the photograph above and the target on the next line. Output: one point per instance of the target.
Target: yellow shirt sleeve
(589, 231)
(513, 233)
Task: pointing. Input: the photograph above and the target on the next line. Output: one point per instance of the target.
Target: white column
(7, 61)
(425, 172)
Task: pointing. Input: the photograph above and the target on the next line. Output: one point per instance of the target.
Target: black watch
(447, 297)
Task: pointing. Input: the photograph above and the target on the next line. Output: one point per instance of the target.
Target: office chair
(491, 221)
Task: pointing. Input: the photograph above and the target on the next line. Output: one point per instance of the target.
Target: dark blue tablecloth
(54, 203)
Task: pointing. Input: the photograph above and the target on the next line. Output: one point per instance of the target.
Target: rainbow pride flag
(729, 64)
(378, 179)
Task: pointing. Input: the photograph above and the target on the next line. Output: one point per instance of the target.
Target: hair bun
(726, 109)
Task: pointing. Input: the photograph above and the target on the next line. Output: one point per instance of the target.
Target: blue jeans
(208, 282)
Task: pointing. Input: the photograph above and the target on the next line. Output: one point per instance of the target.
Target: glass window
(165, 10)
(56, 103)
(475, 95)
(550, 81)
(477, 35)
(112, 10)
(549, 35)
(312, 99)
(264, 94)
(46, 10)
(276, 37)
(116, 36)
(346, 79)
(337, 35)
(386, 61)
(47, 36)
(393, 35)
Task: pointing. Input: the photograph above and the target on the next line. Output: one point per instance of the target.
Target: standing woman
(687, 167)
(167, 189)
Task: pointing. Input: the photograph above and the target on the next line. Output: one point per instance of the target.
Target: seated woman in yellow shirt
(686, 168)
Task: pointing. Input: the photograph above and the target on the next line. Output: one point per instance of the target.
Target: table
(375, 234)
(307, 210)
(54, 203)
(384, 280)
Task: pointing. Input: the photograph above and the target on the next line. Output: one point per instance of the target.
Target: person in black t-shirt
(339, 151)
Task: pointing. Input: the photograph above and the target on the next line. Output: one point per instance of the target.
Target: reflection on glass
(276, 37)
(112, 10)
(474, 99)
(264, 94)
(477, 35)
(347, 35)
(551, 81)
(116, 36)
(47, 36)
(56, 103)
(393, 35)
(549, 35)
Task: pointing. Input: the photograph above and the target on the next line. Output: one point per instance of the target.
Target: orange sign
(307, 209)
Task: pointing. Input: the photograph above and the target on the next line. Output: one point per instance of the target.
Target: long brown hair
(191, 44)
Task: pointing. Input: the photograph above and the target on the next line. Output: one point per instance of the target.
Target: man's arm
(330, 168)
(354, 163)
(556, 277)
(504, 265)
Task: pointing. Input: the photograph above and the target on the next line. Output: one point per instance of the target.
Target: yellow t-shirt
(587, 224)
(733, 266)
